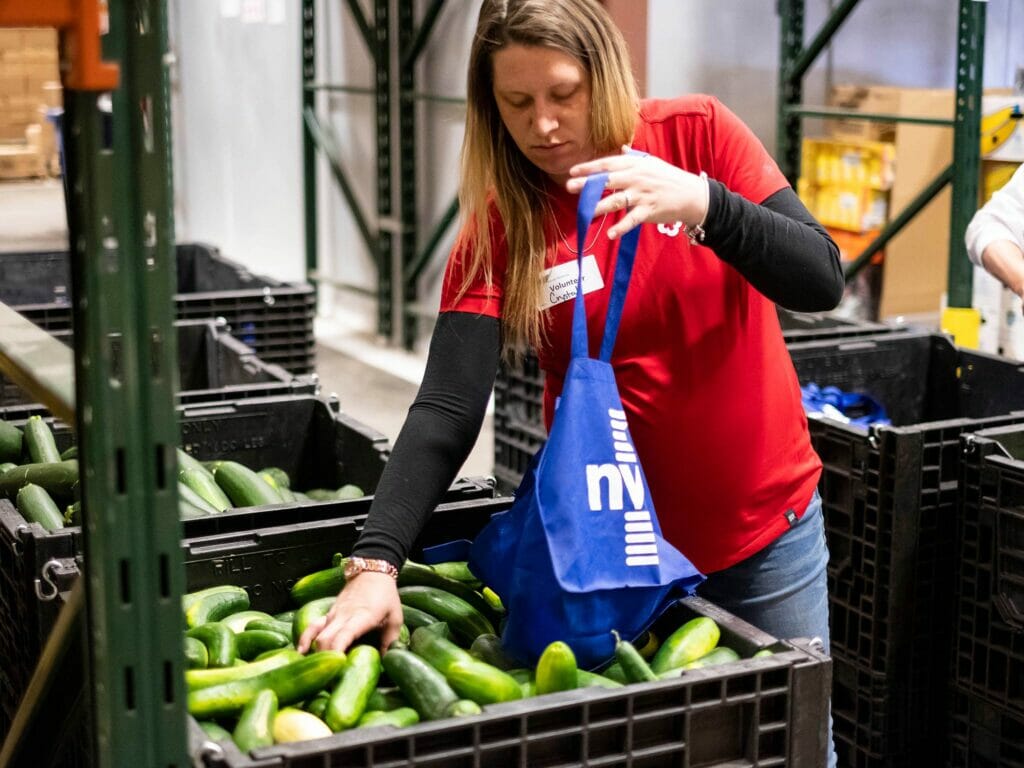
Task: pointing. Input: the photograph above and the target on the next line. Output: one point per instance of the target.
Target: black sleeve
(778, 246)
(439, 432)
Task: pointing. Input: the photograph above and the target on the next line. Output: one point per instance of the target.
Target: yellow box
(854, 209)
(849, 162)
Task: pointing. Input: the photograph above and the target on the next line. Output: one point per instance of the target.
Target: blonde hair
(493, 170)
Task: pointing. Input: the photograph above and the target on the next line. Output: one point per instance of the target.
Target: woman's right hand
(369, 601)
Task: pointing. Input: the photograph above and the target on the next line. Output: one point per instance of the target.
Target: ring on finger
(625, 199)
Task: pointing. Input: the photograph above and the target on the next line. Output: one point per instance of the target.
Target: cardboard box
(876, 99)
(21, 162)
(852, 163)
(851, 208)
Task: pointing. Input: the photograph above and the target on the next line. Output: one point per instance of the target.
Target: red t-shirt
(710, 392)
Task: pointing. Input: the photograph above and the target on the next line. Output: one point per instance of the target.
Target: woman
(995, 236)
(713, 400)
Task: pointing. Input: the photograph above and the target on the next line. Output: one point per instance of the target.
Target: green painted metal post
(385, 239)
(788, 129)
(409, 46)
(123, 278)
(970, 58)
(309, 191)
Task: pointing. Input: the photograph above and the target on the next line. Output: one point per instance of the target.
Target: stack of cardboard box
(29, 85)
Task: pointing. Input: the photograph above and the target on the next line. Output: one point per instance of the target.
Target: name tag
(558, 284)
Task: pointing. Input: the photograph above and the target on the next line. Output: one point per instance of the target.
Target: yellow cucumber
(295, 725)
(556, 669)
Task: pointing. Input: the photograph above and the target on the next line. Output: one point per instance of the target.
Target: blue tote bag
(580, 551)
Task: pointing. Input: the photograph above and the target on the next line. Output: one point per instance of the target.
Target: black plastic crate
(983, 736)
(889, 497)
(819, 326)
(989, 658)
(212, 365)
(272, 317)
(761, 712)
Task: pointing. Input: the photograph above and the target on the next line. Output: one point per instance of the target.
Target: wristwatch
(357, 565)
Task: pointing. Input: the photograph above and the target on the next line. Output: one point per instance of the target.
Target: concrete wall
(237, 130)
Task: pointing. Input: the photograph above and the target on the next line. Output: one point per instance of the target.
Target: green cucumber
(465, 621)
(311, 612)
(281, 479)
(556, 669)
(60, 480)
(220, 643)
(292, 683)
(614, 672)
(399, 717)
(283, 491)
(11, 442)
(467, 675)
(215, 731)
(296, 725)
(415, 574)
(204, 678)
(255, 726)
(239, 621)
(321, 494)
(349, 491)
(762, 653)
(488, 648)
(271, 625)
(425, 688)
(191, 598)
(287, 616)
(187, 461)
(216, 605)
(404, 636)
(439, 628)
(319, 704)
(69, 453)
(351, 694)
(457, 570)
(7, 466)
(325, 583)
(714, 657)
(633, 665)
(386, 699)
(73, 514)
(691, 641)
(415, 618)
(585, 679)
(243, 486)
(196, 655)
(465, 708)
(36, 506)
(253, 642)
(497, 608)
(42, 448)
(195, 503)
(205, 487)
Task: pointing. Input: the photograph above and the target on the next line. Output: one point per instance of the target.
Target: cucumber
(214, 731)
(488, 648)
(253, 642)
(309, 613)
(220, 643)
(614, 672)
(287, 616)
(349, 491)
(205, 487)
(73, 514)
(295, 725)
(586, 679)
(11, 442)
(281, 479)
(414, 618)
(239, 621)
(493, 600)
(415, 574)
(7, 466)
(465, 621)
(386, 699)
(36, 506)
(402, 641)
(187, 461)
(691, 641)
(464, 708)
(425, 688)
(556, 669)
(439, 628)
(271, 625)
(762, 653)
(188, 511)
(647, 644)
(714, 657)
(243, 486)
(468, 676)
(321, 494)
(325, 583)
(216, 605)
(196, 655)
(399, 717)
(255, 726)
(60, 480)
(350, 696)
(194, 501)
(459, 571)
(204, 678)
(283, 491)
(42, 449)
(319, 704)
(292, 683)
(191, 598)
(69, 453)
(634, 667)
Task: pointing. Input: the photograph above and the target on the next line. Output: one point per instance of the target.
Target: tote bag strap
(590, 196)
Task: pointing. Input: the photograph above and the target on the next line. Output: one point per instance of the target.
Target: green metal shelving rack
(125, 373)
(393, 237)
(795, 60)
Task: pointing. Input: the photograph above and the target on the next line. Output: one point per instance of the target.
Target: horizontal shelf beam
(875, 117)
(38, 363)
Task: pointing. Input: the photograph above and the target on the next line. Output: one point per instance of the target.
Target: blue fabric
(782, 589)
(580, 551)
(849, 407)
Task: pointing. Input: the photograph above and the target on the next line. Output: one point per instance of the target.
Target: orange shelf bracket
(80, 24)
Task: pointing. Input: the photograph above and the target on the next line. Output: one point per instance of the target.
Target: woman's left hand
(649, 188)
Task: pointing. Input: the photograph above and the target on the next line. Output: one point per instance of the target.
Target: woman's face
(543, 96)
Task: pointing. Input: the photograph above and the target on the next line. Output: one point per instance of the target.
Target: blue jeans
(783, 588)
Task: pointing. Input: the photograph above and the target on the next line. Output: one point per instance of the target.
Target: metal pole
(788, 130)
(309, 186)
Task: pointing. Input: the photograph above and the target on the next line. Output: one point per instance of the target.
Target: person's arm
(778, 246)
(1004, 260)
(439, 432)
(995, 236)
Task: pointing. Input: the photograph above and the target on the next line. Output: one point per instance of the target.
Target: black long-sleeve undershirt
(777, 246)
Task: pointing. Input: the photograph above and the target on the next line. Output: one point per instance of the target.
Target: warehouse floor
(359, 370)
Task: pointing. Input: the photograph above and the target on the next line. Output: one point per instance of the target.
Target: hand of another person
(649, 188)
(369, 601)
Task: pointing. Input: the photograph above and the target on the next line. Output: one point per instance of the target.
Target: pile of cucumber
(247, 682)
(42, 480)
